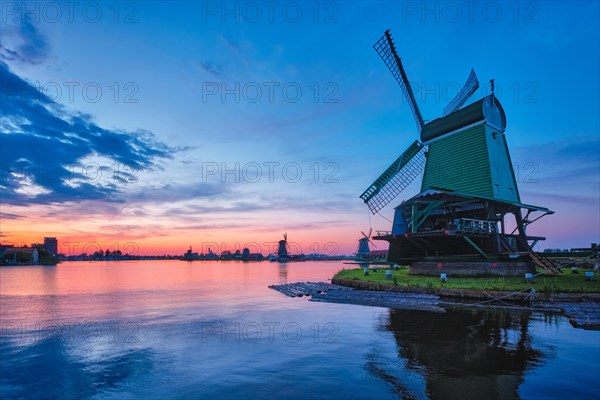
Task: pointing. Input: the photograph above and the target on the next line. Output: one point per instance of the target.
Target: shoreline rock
(469, 294)
(581, 309)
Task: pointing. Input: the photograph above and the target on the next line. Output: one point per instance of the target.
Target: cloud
(212, 68)
(561, 175)
(44, 148)
(173, 192)
(4, 215)
(232, 43)
(231, 203)
(566, 166)
(236, 47)
(24, 43)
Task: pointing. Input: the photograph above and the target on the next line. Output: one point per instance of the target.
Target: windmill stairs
(549, 267)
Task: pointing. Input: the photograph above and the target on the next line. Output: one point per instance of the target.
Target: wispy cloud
(212, 68)
(5, 215)
(23, 42)
(560, 174)
(235, 202)
(563, 167)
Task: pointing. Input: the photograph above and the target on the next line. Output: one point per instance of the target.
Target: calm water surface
(177, 330)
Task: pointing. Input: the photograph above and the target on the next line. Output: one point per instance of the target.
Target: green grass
(566, 282)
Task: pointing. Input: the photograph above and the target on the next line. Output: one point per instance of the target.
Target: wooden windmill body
(469, 198)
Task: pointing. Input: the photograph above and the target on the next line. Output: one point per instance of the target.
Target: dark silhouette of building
(51, 245)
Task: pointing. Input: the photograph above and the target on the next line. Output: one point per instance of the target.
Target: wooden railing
(477, 225)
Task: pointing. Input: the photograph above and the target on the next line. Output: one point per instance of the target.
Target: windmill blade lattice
(387, 51)
(396, 178)
(470, 86)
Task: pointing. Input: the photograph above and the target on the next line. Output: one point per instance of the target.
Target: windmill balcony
(459, 225)
(476, 225)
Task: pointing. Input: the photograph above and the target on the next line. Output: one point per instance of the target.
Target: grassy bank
(563, 283)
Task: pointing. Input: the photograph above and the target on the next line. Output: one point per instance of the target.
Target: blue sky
(162, 118)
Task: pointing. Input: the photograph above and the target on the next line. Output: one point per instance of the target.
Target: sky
(154, 126)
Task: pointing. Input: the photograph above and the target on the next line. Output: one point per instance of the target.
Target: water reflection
(59, 365)
(462, 354)
(283, 273)
(135, 330)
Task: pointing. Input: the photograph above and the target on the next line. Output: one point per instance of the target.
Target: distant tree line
(557, 250)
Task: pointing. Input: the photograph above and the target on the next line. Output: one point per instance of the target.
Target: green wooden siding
(503, 177)
(460, 162)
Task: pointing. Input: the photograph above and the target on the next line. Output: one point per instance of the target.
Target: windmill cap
(483, 110)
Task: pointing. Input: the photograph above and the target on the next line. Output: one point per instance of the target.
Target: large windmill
(459, 222)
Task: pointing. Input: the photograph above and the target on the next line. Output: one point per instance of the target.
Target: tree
(24, 257)
(45, 258)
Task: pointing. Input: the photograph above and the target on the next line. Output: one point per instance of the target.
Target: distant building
(51, 245)
(27, 255)
(256, 257)
(4, 247)
(190, 255)
(246, 254)
(377, 254)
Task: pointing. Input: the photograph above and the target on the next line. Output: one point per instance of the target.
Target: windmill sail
(386, 50)
(396, 178)
(470, 86)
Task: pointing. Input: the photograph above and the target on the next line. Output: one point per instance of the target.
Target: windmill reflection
(283, 274)
(461, 354)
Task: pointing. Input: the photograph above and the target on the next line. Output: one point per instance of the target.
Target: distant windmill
(363, 244)
(282, 251)
(468, 188)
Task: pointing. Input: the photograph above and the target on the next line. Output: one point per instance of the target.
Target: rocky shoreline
(468, 294)
(581, 309)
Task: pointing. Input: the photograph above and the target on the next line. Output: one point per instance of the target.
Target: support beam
(476, 247)
(533, 220)
(519, 222)
(526, 217)
(422, 215)
(498, 245)
(413, 218)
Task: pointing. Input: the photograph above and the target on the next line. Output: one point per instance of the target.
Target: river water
(179, 330)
